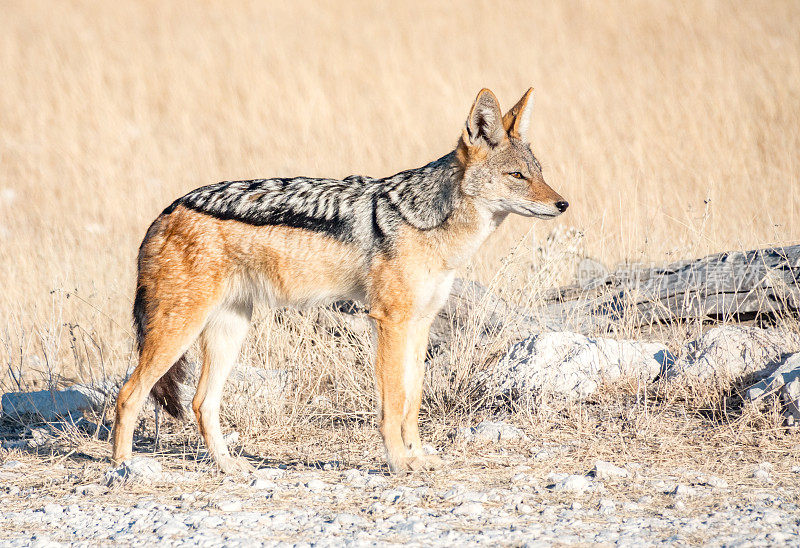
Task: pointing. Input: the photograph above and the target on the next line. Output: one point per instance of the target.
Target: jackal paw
(424, 462)
(235, 466)
(417, 463)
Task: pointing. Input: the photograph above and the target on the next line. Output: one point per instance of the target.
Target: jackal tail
(166, 391)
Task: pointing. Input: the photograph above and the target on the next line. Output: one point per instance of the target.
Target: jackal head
(500, 170)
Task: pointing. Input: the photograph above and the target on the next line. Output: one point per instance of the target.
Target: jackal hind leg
(166, 341)
(413, 380)
(220, 343)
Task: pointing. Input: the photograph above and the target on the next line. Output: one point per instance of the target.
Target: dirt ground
(689, 481)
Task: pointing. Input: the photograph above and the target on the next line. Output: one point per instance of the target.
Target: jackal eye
(517, 175)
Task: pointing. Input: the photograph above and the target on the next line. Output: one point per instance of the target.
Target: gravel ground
(495, 501)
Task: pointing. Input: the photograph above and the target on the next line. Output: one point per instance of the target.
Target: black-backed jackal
(394, 244)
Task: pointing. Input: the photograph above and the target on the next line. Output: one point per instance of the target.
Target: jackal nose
(562, 206)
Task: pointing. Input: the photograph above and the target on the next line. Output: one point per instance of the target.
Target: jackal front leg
(413, 381)
(396, 353)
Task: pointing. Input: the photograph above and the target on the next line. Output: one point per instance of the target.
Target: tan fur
(202, 275)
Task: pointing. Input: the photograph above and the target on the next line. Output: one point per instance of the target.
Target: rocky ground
(500, 486)
(615, 459)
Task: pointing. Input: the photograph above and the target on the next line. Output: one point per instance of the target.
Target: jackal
(394, 244)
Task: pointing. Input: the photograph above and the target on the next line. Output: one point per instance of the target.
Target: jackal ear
(485, 121)
(517, 121)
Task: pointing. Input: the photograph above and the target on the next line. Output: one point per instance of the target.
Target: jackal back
(356, 210)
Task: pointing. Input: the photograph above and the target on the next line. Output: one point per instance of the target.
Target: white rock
(376, 481)
(210, 522)
(354, 477)
(51, 405)
(605, 470)
(143, 469)
(53, 509)
(681, 490)
(790, 394)
(12, 465)
(396, 518)
(40, 540)
(465, 433)
(412, 526)
(90, 489)
(555, 477)
(14, 444)
(40, 437)
(376, 508)
(768, 466)
(475, 496)
(316, 485)
(230, 505)
(263, 484)
(762, 475)
(346, 520)
(717, 483)
(729, 352)
(452, 493)
(607, 506)
(573, 365)
(391, 496)
(490, 432)
(783, 379)
(172, 528)
(468, 509)
(778, 538)
(270, 473)
(573, 483)
(231, 438)
(772, 516)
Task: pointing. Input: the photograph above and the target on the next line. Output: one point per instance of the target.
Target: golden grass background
(673, 129)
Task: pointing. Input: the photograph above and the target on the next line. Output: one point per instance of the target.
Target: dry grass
(673, 130)
(660, 450)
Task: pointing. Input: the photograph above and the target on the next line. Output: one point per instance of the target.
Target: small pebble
(316, 485)
(681, 490)
(717, 483)
(573, 483)
(262, 484)
(230, 506)
(53, 509)
(762, 475)
(468, 509)
(606, 470)
(607, 506)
